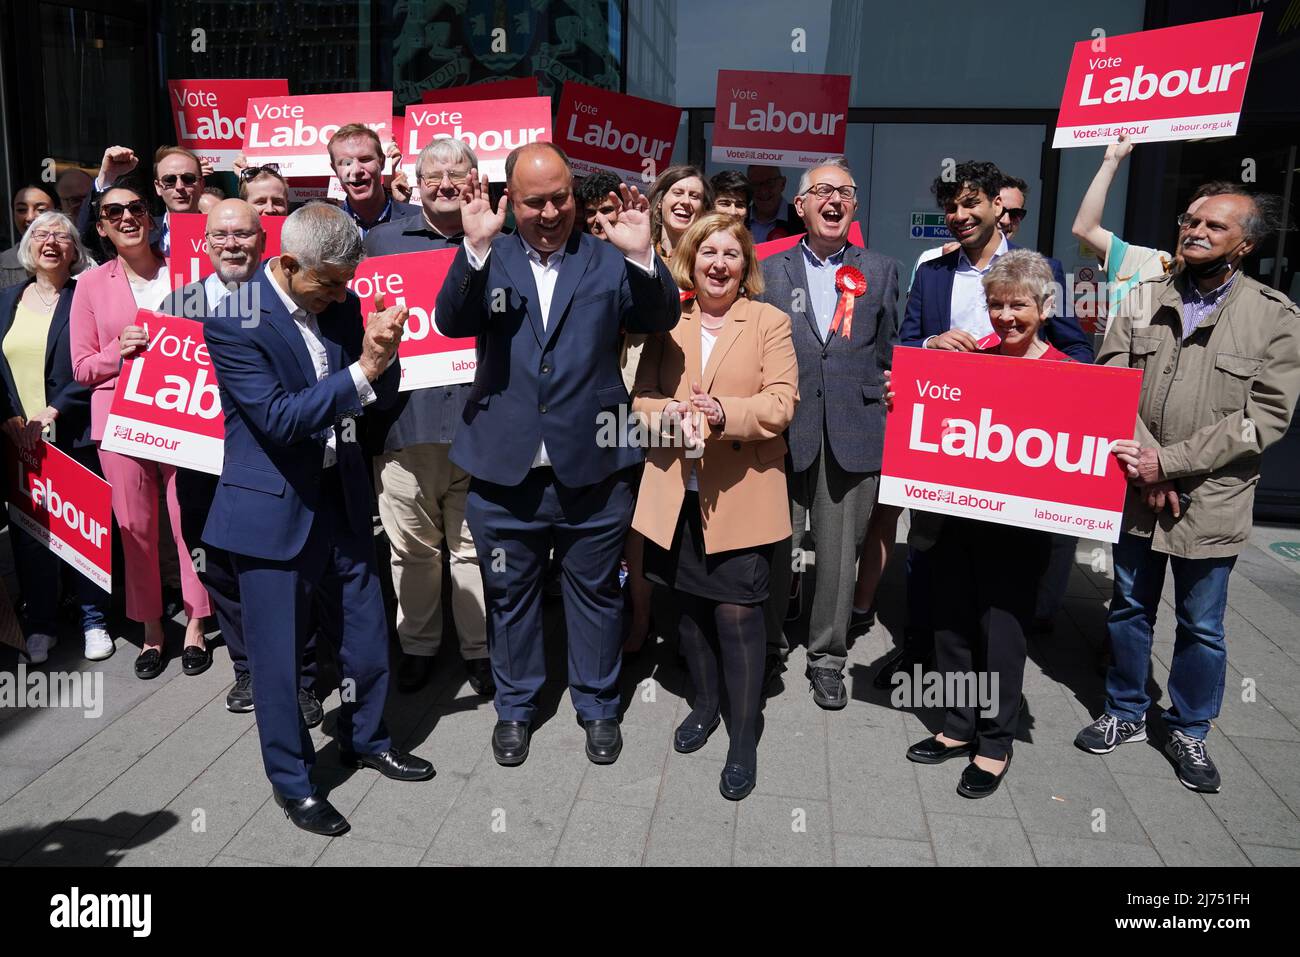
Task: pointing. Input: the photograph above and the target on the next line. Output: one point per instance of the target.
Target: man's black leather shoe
(314, 814)
(604, 740)
(480, 677)
(510, 742)
(392, 763)
(312, 711)
(240, 698)
(691, 735)
(828, 688)
(736, 782)
(933, 751)
(413, 672)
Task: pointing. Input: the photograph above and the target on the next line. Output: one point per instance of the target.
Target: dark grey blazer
(840, 381)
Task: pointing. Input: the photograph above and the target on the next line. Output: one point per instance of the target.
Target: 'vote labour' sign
(413, 280)
(190, 261)
(1016, 441)
(166, 406)
(491, 128)
(1176, 83)
(64, 506)
(603, 131)
(294, 131)
(211, 116)
(779, 119)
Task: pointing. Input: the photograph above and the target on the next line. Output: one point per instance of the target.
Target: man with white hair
(422, 493)
(293, 506)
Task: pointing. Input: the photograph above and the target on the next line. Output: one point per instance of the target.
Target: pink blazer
(102, 307)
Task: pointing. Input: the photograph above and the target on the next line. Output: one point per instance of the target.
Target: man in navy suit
(548, 306)
(294, 504)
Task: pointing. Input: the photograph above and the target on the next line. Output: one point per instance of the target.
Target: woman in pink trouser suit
(102, 334)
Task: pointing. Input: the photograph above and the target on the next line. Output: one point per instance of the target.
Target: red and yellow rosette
(851, 284)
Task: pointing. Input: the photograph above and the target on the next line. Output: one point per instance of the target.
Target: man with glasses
(837, 435)
(421, 492)
(766, 222)
(178, 180)
(357, 158)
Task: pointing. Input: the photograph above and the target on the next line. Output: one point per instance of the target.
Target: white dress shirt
(969, 310)
(309, 329)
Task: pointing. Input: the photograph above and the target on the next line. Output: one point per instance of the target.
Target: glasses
(824, 190)
(252, 172)
(113, 211)
(242, 235)
(1015, 215)
(44, 235)
(169, 181)
(457, 179)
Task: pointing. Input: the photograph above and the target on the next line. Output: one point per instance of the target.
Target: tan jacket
(753, 373)
(1211, 404)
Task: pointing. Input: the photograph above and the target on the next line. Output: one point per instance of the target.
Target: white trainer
(38, 648)
(98, 644)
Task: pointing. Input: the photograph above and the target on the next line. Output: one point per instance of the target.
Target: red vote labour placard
(773, 246)
(295, 131)
(412, 280)
(189, 260)
(211, 116)
(1176, 83)
(64, 506)
(166, 406)
(780, 119)
(1015, 441)
(603, 131)
(491, 128)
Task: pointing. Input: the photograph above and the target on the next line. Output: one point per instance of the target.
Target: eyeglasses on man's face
(171, 179)
(113, 212)
(252, 172)
(455, 177)
(238, 235)
(824, 191)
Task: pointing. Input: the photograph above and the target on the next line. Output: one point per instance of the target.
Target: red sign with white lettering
(500, 90)
(774, 246)
(1176, 83)
(166, 406)
(189, 260)
(491, 128)
(295, 131)
(780, 119)
(413, 280)
(1007, 440)
(211, 116)
(603, 131)
(64, 506)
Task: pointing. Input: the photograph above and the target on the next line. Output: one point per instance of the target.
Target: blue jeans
(1200, 652)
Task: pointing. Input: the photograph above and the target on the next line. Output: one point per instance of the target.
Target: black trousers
(985, 583)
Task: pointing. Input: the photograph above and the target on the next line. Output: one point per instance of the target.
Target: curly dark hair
(979, 175)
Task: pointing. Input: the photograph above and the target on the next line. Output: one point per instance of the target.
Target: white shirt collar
(552, 261)
(964, 263)
(294, 310)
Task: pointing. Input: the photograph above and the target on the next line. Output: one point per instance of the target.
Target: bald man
(548, 306)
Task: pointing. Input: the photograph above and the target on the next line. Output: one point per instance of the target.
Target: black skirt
(737, 577)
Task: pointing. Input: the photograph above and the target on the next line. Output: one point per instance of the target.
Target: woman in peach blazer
(103, 333)
(717, 393)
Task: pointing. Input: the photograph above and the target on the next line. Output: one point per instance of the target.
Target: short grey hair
(320, 234)
(1022, 270)
(53, 219)
(839, 162)
(446, 150)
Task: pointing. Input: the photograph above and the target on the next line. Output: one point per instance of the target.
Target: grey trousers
(837, 504)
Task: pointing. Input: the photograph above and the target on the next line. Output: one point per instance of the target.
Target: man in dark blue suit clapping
(548, 305)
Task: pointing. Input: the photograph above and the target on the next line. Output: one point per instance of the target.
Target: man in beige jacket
(1220, 356)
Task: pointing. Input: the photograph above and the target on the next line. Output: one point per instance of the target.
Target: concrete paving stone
(864, 850)
(964, 840)
(15, 777)
(1253, 719)
(1068, 802)
(658, 715)
(685, 836)
(633, 780)
(1179, 823)
(1278, 763)
(1058, 850)
(604, 835)
(226, 860)
(939, 795)
(349, 851)
(792, 760)
(873, 786)
(1262, 856)
(64, 847)
(1247, 806)
(407, 813)
(782, 831)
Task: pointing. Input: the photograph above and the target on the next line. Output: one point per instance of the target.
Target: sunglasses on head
(252, 172)
(1015, 215)
(113, 212)
(169, 181)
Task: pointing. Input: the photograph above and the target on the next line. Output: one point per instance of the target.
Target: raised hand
(1119, 149)
(117, 161)
(629, 229)
(478, 219)
(384, 328)
(400, 187)
(132, 341)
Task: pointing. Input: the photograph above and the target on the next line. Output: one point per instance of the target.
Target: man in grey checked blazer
(838, 432)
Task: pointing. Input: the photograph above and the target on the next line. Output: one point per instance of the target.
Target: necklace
(704, 325)
(49, 304)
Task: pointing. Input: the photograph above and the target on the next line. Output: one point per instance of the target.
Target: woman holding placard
(39, 397)
(103, 335)
(984, 571)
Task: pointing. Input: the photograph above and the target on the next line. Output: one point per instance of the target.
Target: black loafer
(413, 672)
(691, 735)
(977, 783)
(933, 751)
(604, 740)
(195, 660)
(827, 686)
(312, 711)
(314, 814)
(736, 782)
(480, 677)
(510, 743)
(149, 664)
(393, 763)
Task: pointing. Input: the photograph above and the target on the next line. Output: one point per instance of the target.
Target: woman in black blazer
(38, 395)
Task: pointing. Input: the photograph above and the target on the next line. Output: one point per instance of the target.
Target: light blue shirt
(970, 312)
(822, 294)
